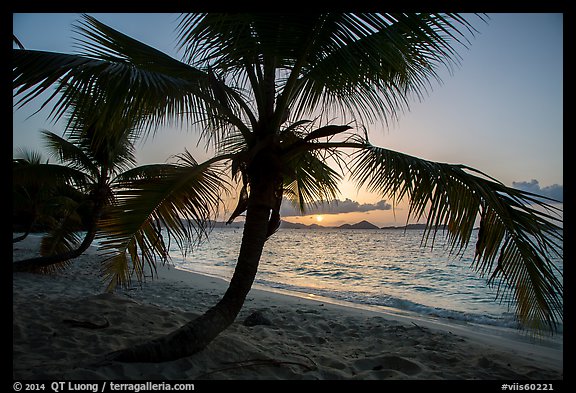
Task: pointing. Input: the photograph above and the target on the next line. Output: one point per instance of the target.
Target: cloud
(334, 207)
(555, 191)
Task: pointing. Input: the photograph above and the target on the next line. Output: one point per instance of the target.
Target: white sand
(307, 339)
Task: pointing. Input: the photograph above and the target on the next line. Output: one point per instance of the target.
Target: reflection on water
(372, 267)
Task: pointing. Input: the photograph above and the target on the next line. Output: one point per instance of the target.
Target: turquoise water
(387, 268)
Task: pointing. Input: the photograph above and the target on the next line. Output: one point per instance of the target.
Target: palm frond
(176, 201)
(26, 156)
(45, 175)
(108, 144)
(70, 153)
(364, 64)
(124, 79)
(63, 237)
(17, 42)
(518, 238)
(233, 143)
(371, 63)
(142, 80)
(141, 173)
(309, 180)
(153, 82)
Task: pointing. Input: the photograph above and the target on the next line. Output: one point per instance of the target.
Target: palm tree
(94, 160)
(93, 172)
(264, 87)
(41, 194)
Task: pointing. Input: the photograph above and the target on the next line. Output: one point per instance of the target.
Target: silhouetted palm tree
(42, 197)
(264, 87)
(95, 170)
(93, 159)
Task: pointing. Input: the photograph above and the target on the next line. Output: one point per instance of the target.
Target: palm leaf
(364, 64)
(68, 152)
(115, 71)
(108, 144)
(309, 180)
(518, 238)
(152, 83)
(63, 236)
(17, 42)
(26, 157)
(158, 83)
(44, 191)
(45, 175)
(370, 63)
(178, 199)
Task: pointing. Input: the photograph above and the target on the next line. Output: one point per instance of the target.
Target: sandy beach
(63, 325)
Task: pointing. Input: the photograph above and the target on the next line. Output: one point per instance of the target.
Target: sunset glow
(437, 129)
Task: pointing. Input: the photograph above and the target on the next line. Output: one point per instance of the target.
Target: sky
(500, 111)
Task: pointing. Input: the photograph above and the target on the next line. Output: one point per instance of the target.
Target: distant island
(409, 226)
(294, 225)
(359, 225)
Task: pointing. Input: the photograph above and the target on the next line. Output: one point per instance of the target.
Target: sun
(319, 218)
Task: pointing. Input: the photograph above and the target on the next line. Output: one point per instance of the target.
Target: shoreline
(550, 347)
(554, 342)
(305, 339)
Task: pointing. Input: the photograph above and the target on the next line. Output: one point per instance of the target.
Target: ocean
(387, 268)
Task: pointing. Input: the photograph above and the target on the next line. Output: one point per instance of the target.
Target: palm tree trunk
(28, 228)
(100, 198)
(33, 264)
(21, 237)
(198, 333)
